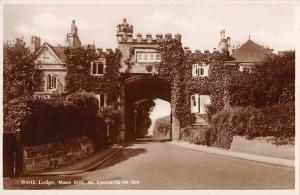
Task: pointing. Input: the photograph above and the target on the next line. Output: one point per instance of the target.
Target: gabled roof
(250, 52)
(58, 50)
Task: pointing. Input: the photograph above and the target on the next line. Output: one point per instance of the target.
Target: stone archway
(137, 88)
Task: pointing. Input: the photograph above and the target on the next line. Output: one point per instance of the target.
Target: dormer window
(200, 70)
(97, 68)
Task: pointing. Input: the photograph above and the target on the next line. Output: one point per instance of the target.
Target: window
(198, 103)
(245, 69)
(200, 70)
(145, 56)
(101, 100)
(51, 81)
(148, 57)
(139, 57)
(152, 57)
(158, 57)
(97, 68)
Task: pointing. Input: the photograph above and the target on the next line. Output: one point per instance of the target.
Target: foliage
(277, 121)
(79, 76)
(143, 120)
(45, 120)
(267, 82)
(129, 61)
(112, 118)
(220, 134)
(162, 126)
(21, 77)
(196, 134)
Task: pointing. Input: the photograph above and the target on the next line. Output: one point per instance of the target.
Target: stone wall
(38, 158)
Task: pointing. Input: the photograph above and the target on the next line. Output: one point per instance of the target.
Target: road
(160, 165)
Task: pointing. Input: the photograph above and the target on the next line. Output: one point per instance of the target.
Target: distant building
(249, 54)
(51, 61)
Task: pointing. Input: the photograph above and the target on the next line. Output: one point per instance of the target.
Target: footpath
(86, 164)
(240, 155)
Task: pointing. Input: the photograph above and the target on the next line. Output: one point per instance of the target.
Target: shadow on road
(125, 154)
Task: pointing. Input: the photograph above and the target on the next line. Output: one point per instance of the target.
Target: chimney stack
(35, 43)
(222, 34)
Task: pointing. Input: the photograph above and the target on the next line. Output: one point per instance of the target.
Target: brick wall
(38, 158)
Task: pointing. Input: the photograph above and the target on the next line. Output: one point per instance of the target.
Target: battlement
(148, 38)
(198, 51)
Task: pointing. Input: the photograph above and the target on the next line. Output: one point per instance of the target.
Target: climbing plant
(79, 77)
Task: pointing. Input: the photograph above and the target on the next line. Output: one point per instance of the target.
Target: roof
(250, 52)
(60, 52)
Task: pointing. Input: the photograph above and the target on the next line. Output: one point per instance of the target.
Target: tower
(224, 42)
(124, 31)
(35, 43)
(72, 37)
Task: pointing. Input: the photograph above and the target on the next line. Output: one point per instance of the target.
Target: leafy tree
(21, 77)
(270, 80)
(272, 76)
(143, 119)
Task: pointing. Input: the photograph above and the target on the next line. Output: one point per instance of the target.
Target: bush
(51, 120)
(277, 121)
(221, 134)
(112, 117)
(196, 134)
(162, 126)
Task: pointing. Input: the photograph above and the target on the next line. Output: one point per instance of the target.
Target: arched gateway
(137, 88)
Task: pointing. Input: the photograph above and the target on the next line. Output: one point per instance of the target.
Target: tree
(272, 76)
(21, 77)
(267, 84)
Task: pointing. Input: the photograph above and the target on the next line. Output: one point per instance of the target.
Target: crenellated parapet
(147, 38)
(187, 50)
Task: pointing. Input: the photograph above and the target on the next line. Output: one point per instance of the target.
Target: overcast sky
(199, 24)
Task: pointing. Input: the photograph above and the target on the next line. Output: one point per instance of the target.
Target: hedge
(196, 134)
(51, 120)
(277, 121)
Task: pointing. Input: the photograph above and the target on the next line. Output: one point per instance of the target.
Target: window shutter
(194, 70)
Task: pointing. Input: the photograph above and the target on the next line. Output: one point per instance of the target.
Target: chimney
(124, 20)
(228, 42)
(206, 51)
(214, 50)
(35, 43)
(222, 34)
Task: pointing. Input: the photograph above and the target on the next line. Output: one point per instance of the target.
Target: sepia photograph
(150, 95)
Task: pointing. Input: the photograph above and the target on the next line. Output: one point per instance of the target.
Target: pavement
(86, 164)
(251, 157)
(164, 166)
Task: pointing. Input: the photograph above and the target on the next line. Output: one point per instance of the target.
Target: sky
(199, 24)
(162, 108)
(271, 25)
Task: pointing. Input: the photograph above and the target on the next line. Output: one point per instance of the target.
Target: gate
(12, 152)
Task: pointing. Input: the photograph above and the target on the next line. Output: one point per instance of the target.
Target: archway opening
(160, 120)
(141, 91)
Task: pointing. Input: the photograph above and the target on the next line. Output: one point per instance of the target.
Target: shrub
(162, 126)
(221, 134)
(47, 120)
(277, 121)
(196, 134)
(112, 118)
